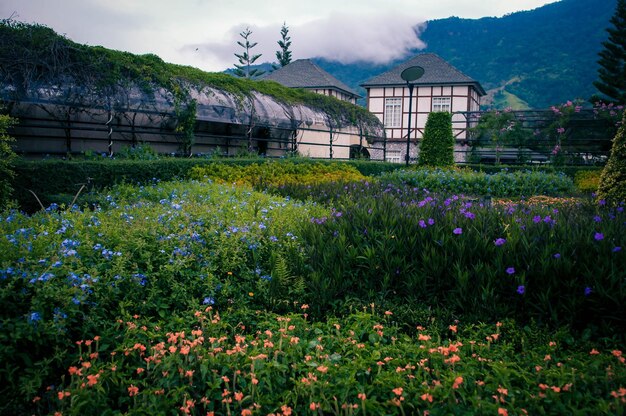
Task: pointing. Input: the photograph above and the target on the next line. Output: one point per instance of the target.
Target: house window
(393, 112)
(441, 104)
(393, 156)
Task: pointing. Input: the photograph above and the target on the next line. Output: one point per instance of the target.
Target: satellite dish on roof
(412, 73)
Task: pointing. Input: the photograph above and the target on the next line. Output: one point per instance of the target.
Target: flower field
(362, 296)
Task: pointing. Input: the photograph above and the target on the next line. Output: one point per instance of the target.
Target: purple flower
(598, 236)
(469, 215)
(602, 202)
(422, 224)
(458, 231)
(521, 289)
(510, 270)
(588, 291)
(557, 255)
(499, 241)
(616, 249)
(597, 218)
(431, 221)
(537, 219)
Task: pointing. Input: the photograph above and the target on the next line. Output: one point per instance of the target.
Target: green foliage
(611, 82)
(372, 298)
(437, 145)
(142, 151)
(284, 54)
(186, 125)
(499, 129)
(7, 159)
(246, 59)
(587, 181)
(613, 180)
(500, 184)
(274, 174)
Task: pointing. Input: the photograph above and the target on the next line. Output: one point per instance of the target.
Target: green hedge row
(58, 181)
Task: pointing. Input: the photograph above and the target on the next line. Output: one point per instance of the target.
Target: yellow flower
(250, 294)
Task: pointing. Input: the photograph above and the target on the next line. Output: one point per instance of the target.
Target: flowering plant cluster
(371, 297)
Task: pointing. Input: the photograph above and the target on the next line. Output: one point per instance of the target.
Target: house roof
(436, 71)
(304, 73)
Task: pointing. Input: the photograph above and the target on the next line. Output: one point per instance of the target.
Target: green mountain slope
(541, 57)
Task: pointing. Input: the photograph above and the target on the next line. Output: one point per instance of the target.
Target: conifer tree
(284, 54)
(613, 179)
(437, 145)
(612, 71)
(246, 59)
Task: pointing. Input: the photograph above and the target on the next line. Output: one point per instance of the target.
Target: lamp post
(411, 73)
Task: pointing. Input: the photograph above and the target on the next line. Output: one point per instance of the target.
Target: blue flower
(521, 289)
(588, 291)
(598, 236)
(209, 300)
(616, 249)
(499, 241)
(510, 270)
(34, 317)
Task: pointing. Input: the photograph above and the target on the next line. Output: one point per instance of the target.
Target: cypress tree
(437, 145)
(613, 179)
(612, 71)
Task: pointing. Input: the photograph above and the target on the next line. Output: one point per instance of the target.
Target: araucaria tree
(612, 71)
(246, 59)
(613, 179)
(284, 54)
(437, 145)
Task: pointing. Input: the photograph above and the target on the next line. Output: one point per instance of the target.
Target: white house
(442, 87)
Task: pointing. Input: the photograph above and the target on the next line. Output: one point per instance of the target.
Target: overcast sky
(203, 33)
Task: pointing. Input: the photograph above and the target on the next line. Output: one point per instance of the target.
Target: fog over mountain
(531, 59)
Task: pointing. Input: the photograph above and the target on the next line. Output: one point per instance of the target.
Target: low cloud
(341, 37)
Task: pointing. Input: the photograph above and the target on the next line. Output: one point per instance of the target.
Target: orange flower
(314, 406)
(388, 313)
(503, 391)
(594, 352)
(92, 379)
(502, 411)
(74, 370)
(427, 397)
(322, 369)
(361, 396)
(140, 370)
(286, 410)
(238, 396)
(63, 394)
(422, 337)
(453, 328)
(398, 391)
(457, 382)
(133, 390)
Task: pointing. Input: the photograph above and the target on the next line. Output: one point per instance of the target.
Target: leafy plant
(613, 180)
(437, 145)
(7, 158)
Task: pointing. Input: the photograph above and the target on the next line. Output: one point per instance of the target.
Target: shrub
(437, 145)
(7, 157)
(587, 181)
(613, 180)
(500, 184)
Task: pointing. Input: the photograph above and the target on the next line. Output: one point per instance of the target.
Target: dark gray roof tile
(436, 71)
(304, 73)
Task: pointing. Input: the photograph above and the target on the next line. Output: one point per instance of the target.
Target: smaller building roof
(304, 73)
(436, 72)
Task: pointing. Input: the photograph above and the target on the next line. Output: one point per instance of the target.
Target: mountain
(529, 59)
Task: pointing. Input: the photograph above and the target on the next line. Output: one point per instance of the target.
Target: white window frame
(393, 156)
(393, 112)
(441, 104)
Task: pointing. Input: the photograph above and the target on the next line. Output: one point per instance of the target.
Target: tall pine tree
(612, 71)
(246, 60)
(284, 54)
